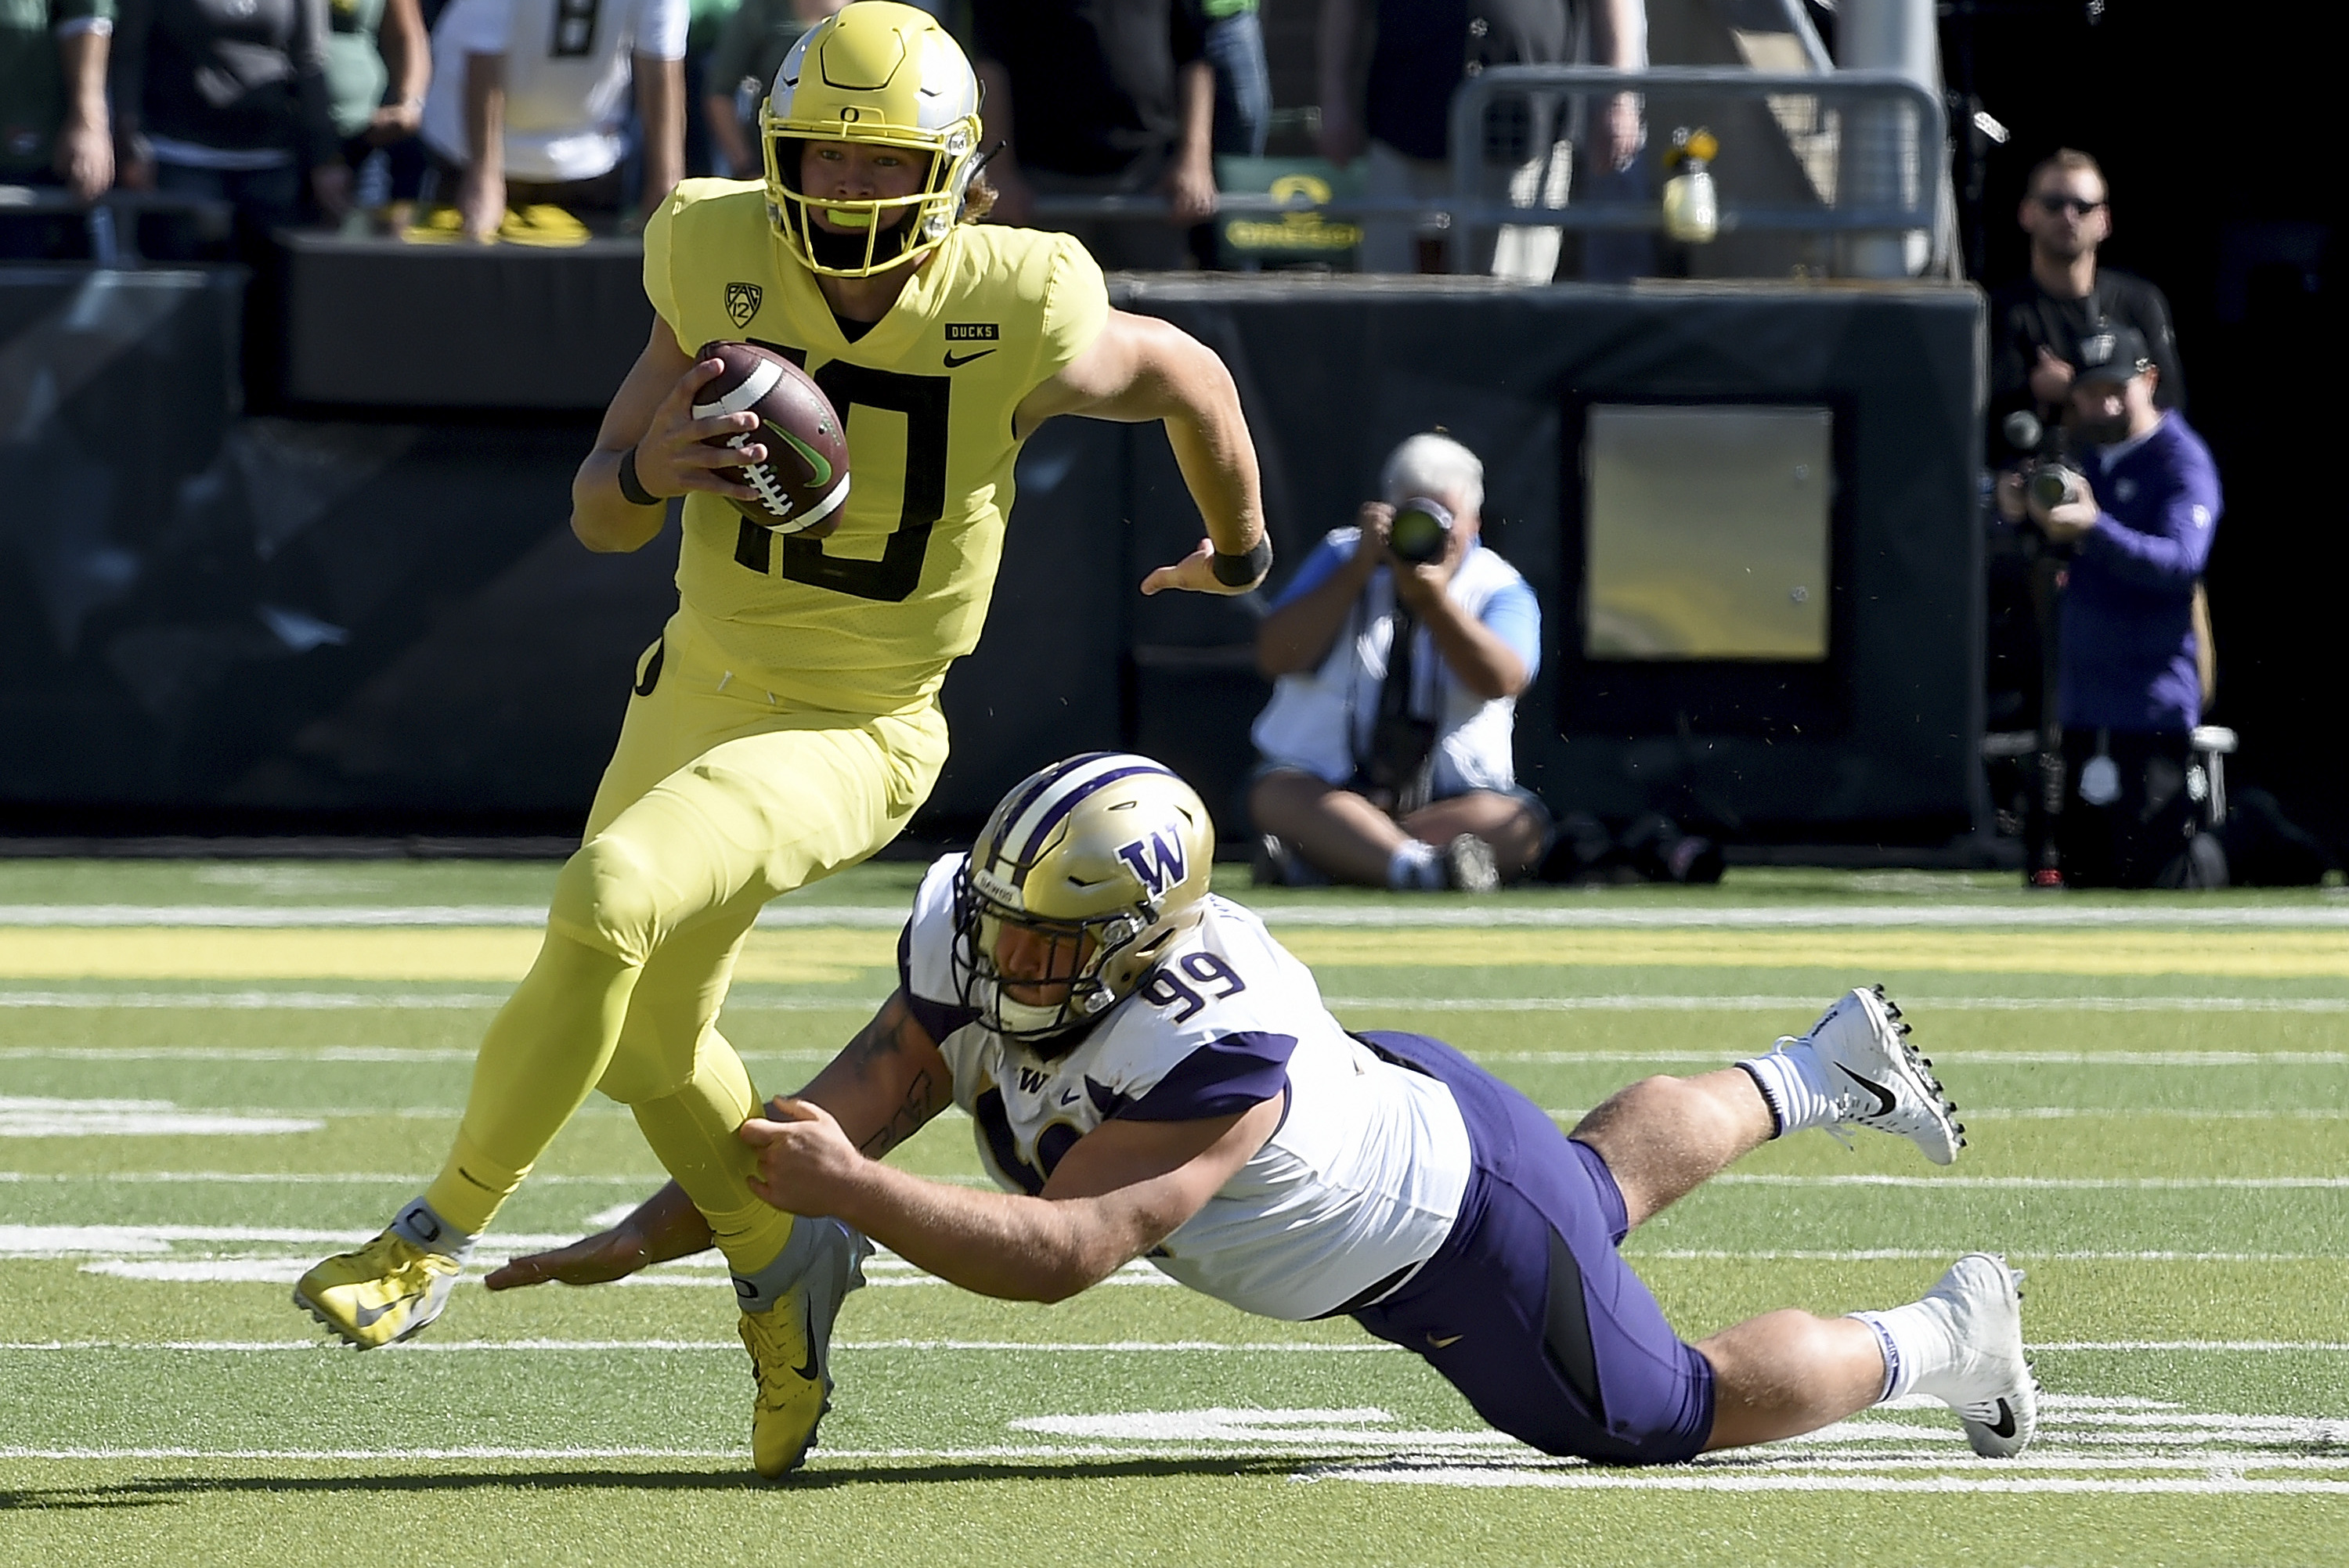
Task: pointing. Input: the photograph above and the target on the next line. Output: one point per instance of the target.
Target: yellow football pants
(718, 799)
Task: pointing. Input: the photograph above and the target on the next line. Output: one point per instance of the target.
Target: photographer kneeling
(1399, 650)
(2137, 514)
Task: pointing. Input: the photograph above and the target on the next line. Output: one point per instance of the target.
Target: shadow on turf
(147, 1492)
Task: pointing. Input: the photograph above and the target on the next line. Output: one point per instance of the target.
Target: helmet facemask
(874, 76)
(1078, 885)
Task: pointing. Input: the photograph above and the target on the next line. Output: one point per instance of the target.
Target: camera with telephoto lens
(1421, 530)
(2050, 477)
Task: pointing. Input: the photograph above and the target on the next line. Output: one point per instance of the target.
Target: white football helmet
(881, 75)
(1083, 874)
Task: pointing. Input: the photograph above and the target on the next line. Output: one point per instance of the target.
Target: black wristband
(1240, 570)
(632, 489)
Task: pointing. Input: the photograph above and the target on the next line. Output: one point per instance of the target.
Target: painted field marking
(1022, 1346)
(1637, 1003)
(2162, 914)
(37, 1118)
(759, 999)
(1731, 1179)
(819, 954)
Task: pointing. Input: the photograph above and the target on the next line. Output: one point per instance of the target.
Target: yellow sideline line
(829, 955)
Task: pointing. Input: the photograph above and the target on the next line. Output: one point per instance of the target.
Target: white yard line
(759, 998)
(1022, 1346)
(652, 1178)
(2160, 915)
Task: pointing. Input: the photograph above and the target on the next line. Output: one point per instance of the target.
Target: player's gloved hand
(680, 453)
(806, 1161)
(1195, 573)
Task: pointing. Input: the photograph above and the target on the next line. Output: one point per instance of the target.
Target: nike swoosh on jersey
(956, 361)
(1445, 1341)
(1884, 1100)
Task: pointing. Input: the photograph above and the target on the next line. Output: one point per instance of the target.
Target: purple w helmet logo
(1157, 861)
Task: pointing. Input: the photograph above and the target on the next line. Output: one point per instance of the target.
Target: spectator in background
(2130, 691)
(1100, 97)
(2037, 325)
(1233, 41)
(378, 65)
(227, 100)
(740, 71)
(526, 107)
(54, 126)
(1387, 749)
(1395, 106)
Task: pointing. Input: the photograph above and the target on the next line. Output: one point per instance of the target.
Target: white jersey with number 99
(1362, 1178)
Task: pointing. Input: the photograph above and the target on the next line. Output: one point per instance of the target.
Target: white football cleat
(1990, 1386)
(1877, 1077)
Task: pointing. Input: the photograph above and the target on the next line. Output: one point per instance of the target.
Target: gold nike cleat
(794, 1392)
(790, 1343)
(385, 1292)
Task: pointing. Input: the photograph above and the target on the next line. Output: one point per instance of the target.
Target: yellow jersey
(867, 620)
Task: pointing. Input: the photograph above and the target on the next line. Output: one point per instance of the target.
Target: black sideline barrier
(377, 615)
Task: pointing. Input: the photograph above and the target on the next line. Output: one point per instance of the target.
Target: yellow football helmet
(1085, 872)
(881, 75)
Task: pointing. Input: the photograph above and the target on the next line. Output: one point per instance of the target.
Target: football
(805, 479)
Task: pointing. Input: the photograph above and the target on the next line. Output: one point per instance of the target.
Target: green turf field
(211, 1075)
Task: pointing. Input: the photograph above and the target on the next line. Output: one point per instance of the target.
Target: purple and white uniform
(1359, 1186)
(1404, 1185)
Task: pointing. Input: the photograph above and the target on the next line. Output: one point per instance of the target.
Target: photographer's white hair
(1434, 465)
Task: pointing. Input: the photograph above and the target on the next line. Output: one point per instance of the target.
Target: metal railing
(1882, 137)
(112, 219)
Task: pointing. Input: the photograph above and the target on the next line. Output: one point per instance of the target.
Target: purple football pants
(1527, 1309)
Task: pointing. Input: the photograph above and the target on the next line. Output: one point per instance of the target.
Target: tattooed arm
(887, 1082)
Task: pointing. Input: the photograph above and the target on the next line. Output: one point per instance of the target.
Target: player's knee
(607, 897)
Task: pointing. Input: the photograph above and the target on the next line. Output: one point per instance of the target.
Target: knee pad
(606, 896)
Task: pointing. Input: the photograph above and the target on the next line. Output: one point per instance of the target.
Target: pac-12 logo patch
(1158, 861)
(742, 302)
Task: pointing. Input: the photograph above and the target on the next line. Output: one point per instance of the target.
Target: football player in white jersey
(1151, 1076)
(531, 94)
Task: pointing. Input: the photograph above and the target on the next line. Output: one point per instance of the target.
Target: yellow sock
(546, 1048)
(692, 1131)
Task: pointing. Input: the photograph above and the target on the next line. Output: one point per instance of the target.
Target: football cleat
(1469, 865)
(1878, 1078)
(1990, 1386)
(790, 1347)
(383, 1293)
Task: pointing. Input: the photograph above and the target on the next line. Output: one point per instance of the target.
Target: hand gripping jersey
(867, 620)
(1362, 1180)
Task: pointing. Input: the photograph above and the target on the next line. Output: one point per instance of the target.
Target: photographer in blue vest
(1398, 652)
(2136, 503)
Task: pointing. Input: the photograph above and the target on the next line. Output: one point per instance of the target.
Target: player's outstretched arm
(1141, 368)
(882, 1087)
(649, 439)
(1120, 1191)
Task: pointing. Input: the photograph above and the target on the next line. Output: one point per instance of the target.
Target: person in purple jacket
(2140, 528)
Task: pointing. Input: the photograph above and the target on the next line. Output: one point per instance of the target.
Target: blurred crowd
(548, 121)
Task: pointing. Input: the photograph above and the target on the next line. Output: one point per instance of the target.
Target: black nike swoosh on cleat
(2004, 1426)
(956, 361)
(810, 1372)
(1884, 1100)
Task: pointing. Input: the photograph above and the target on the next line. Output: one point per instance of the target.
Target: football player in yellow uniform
(786, 724)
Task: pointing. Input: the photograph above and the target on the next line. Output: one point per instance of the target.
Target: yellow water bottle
(1692, 209)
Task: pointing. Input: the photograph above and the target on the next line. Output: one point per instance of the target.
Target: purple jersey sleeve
(938, 1019)
(1222, 1078)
